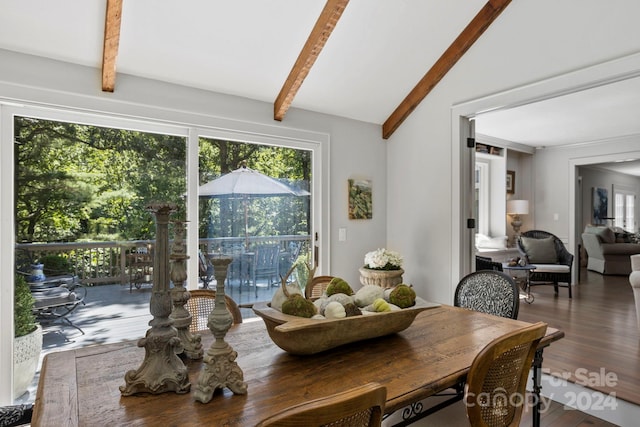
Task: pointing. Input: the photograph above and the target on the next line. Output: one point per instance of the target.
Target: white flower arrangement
(383, 259)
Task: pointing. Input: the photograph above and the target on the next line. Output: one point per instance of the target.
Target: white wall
(532, 41)
(355, 149)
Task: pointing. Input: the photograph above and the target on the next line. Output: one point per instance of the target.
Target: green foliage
(78, 182)
(23, 318)
(55, 264)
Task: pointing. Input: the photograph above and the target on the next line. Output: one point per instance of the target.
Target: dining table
(80, 387)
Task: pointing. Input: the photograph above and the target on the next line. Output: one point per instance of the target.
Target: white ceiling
(377, 53)
(600, 113)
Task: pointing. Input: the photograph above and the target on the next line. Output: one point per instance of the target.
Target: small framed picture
(511, 182)
(360, 201)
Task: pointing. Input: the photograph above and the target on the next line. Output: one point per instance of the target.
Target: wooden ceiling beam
(489, 12)
(111, 44)
(319, 35)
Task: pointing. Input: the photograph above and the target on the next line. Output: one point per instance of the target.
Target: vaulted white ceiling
(378, 51)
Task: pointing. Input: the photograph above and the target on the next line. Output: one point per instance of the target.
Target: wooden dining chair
(489, 291)
(201, 303)
(361, 406)
(495, 393)
(316, 288)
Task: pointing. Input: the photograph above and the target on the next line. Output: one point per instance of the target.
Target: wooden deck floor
(599, 323)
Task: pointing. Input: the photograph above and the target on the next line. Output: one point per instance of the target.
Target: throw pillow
(607, 235)
(540, 251)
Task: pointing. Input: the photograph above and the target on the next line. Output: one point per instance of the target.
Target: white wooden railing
(107, 262)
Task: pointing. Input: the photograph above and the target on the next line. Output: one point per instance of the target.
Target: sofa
(608, 250)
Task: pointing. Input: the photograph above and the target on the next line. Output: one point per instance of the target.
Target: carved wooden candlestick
(162, 370)
(191, 343)
(221, 369)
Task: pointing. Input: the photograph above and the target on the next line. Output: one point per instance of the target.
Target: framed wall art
(511, 182)
(600, 199)
(360, 200)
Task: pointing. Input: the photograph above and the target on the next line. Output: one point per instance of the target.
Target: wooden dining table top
(81, 387)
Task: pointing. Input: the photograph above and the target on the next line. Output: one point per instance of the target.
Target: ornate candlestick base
(162, 370)
(191, 343)
(221, 369)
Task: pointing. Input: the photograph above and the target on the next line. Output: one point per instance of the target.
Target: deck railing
(107, 262)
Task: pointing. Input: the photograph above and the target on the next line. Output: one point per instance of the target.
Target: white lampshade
(517, 207)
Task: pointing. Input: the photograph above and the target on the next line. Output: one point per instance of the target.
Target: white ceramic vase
(382, 278)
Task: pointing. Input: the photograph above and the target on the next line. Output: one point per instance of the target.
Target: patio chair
(140, 263)
(201, 303)
(358, 407)
(489, 291)
(496, 384)
(56, 298)
(265, 264)
(205, 270)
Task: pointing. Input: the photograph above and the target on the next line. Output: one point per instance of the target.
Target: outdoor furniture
(549, 256)
(358, 407)
(488, 291)
(498, 376)
(205, 270)
(201, 303)
(56, 298)
(140, 264)
(264, 263)
(72, 379)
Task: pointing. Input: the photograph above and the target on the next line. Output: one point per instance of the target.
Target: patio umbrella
(245, 182)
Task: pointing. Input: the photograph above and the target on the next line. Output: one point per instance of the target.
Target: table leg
(537, 377)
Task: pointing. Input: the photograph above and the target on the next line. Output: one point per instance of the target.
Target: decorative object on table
(515, 208)
(383, 268)
(221, 369)
(36, 274)
(360, 199)
(191, 344)
(162, 370)
(298, 335)
(511, 182)
(27, 344)
(600, 205)
(247, 183)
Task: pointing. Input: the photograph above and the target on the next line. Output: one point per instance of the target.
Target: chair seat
(551, 268)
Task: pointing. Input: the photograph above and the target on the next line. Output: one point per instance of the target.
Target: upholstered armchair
(552, 260)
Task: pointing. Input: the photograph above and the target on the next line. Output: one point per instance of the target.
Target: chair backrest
(316, 288)
(495, 392)
(562, 254)
(358, 407)
(267, 258)
(201, 303)
(486, 263)
(489, 291)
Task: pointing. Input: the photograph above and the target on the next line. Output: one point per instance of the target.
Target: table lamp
(517, 208)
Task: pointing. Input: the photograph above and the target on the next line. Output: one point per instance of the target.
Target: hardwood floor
(601, 334)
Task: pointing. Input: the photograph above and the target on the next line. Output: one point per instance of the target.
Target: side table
(528, 268)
